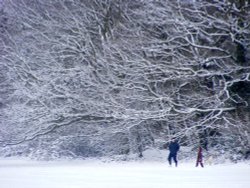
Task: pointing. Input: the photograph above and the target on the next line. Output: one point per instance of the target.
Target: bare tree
(124, 64)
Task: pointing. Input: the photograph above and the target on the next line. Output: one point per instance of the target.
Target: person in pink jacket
(199, 157)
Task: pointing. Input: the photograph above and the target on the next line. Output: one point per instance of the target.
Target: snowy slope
(96, 174)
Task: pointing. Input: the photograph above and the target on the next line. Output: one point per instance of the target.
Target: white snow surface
(17, 173)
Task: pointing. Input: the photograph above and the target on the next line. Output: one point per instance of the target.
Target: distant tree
(125, 64)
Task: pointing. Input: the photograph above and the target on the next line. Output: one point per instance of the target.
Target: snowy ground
(95, 174)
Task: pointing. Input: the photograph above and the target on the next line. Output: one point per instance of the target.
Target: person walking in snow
(199, 157)
(173, 149)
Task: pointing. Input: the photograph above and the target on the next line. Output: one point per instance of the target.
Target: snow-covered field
(96, 174)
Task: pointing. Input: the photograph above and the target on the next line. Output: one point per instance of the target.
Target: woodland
(93, 78)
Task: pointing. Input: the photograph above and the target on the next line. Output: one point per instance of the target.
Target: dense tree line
(114, 77)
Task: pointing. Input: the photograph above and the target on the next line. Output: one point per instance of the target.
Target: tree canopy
(133, 71)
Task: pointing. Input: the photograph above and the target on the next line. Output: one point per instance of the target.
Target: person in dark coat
(173, 149)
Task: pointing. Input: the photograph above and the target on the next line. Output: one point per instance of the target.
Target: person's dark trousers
(174, 157)
(199, 161)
